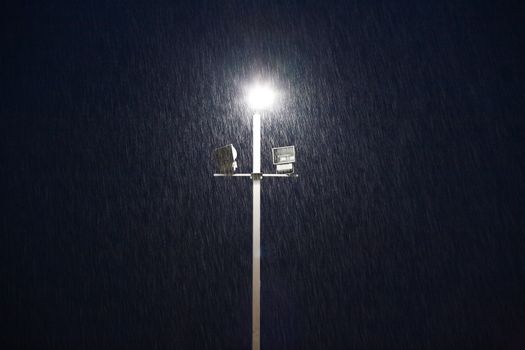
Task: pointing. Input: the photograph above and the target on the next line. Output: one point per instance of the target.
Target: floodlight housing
(225, 159)
(283, 155)
(283, 158)
(260, 96)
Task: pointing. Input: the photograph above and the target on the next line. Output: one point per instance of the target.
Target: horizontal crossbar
(249, 175)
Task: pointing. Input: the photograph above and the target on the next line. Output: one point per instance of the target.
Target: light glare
(260, 97)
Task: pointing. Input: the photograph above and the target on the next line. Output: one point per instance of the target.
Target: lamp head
(260, 96)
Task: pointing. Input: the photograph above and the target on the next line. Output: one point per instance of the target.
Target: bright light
(260, 97)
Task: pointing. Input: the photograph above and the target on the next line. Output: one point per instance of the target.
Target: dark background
(405, 229)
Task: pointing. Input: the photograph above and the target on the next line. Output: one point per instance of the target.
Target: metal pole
(256, 250)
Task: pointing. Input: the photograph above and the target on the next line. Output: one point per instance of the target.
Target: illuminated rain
(403, 230)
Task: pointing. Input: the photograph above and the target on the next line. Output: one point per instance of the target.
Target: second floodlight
(283, 158)
(225, 159)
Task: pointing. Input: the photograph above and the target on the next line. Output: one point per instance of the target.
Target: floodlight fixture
(225, 158)
(283, 158)
(260, 96)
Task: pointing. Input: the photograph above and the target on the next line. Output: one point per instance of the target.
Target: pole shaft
(256, 227)
(256, 273)
(256, 143)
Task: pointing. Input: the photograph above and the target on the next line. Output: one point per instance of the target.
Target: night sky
(404, 230)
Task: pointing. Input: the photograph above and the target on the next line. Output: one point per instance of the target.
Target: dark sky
(405, 229)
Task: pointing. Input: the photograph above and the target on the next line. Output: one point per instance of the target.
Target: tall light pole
(259, 98)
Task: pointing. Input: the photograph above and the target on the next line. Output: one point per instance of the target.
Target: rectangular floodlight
(283, 155)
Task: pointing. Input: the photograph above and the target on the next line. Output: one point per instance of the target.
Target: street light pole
(261, 97)
(256, 233)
